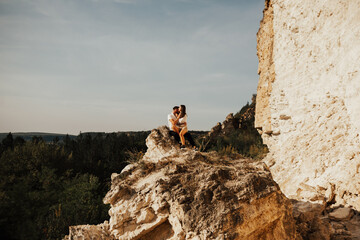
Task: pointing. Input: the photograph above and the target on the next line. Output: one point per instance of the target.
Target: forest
(46, 187)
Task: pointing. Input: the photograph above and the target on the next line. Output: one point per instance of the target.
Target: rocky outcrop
(312, 222)
(229, 125)
(243, 119)
(308, 98)
(317, 221)
(183, 194)
(265, 48)
(215, 131)
(90, 232)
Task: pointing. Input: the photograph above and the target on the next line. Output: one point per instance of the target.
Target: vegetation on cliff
(236, 135)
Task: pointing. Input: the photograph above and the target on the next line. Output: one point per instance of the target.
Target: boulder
(342, 213)
(310, 221)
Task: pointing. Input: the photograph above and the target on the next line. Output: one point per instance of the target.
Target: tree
(8, 141)
(19, 141)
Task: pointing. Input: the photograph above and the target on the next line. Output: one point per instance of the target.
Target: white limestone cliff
(308, 99)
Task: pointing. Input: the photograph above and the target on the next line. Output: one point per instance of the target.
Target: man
(173, 120)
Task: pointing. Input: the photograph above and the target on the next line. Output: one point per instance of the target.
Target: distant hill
(48, 137)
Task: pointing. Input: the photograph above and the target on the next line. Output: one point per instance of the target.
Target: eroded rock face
(183, 194)
(308, 99)
(229, 125)
(316, 221)
(241, 120)
(90, 232)
(161, 146)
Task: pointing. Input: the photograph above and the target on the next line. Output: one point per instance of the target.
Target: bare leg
(182, 133)
(176, 129)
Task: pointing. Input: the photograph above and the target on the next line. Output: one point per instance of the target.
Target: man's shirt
(171, 116)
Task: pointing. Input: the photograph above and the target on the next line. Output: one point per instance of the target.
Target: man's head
(176, 109)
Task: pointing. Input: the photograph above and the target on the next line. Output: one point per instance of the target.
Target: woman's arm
(174, 122)
(183, 120)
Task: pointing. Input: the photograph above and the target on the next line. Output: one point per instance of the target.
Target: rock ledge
(182, 194)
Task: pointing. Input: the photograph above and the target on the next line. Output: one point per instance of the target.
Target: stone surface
(345, 227)
(249, 115)
(317, 221)
(183, 194)
(90, 232)
(310, 222)
(341, 214)
(308, 98)
(230, 124)
(161, 145)
(215, 131)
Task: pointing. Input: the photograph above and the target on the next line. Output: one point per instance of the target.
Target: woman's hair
(182, 111)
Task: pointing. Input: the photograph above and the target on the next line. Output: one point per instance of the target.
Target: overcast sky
(114, 65)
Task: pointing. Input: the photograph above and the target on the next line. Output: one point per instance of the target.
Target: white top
(171, 116)
(182, 121)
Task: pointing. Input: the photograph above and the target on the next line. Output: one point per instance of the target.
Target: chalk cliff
(308, 98)
(177, 193)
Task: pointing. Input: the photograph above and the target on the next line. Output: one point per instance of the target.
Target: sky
(120, 65)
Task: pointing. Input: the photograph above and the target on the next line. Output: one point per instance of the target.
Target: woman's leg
(176, 129)
(182, 133)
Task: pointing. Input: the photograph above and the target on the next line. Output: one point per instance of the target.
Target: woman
(181, 126)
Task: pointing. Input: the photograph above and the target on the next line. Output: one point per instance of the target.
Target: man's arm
(174, 121)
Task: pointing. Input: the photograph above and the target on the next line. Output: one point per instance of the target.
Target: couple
(178, 126)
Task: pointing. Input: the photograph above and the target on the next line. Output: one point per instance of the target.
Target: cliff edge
(308, 98)
(177, 193)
